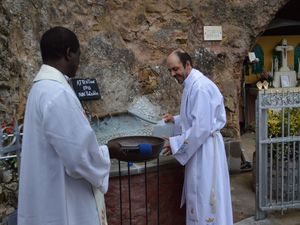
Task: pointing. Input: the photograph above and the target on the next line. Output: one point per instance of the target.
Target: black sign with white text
(86, 89)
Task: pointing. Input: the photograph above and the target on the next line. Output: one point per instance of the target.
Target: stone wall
(8, 190)
(124, 45)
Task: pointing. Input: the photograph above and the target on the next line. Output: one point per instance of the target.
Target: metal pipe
(4, 136)
(279, 140)
(282, 157)
(299, 171)
(271, 174)
(146, 193)
(282, 173)
(288, 171)
(120, 186)
(158, 210)
(288, 155)
(277, 169)
(129, 193)
(294, 162)
(8, 157)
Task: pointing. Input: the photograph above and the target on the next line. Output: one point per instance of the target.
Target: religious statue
(276, 64)
(284, 48)
(284, 77)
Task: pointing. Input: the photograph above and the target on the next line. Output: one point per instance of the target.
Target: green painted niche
(257, 68)
(296, 57)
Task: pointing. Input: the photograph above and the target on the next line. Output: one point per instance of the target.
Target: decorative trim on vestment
(213, 198)
(210, 221)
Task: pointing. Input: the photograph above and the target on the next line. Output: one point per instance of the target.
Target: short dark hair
(55, 42)
(184, 58)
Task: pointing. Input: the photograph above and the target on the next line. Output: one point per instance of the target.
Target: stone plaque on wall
(212, 33)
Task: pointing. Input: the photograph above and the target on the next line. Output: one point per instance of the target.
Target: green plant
(291, 119)
(291, 127)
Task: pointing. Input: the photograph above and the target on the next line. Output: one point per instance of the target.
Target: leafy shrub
(275, 118)
(291, 127)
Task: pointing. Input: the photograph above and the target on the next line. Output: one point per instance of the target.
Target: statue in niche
(276, 64)
(284, 77)
(284, 48)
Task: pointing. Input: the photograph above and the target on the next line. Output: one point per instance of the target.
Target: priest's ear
(68, 54)
(72, 56)
(188, 63)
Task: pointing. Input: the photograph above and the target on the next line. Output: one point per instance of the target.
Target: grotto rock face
(124, 45)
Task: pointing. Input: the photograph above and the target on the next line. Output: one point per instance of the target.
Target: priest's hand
(114, 148)
(168, 118)
(167, 148)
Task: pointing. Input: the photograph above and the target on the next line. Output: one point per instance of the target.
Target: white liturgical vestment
(200, 148)
(61, 161)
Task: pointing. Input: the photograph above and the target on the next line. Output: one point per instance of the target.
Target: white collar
(190, 79)
(47, 72)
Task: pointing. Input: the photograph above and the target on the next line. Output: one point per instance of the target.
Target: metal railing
(277, 150)
(12, 148)
(129, 193)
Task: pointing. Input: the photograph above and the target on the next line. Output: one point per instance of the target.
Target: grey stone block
(11, 219)
(233, 153)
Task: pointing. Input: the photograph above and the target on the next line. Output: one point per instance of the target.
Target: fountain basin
(138, 148)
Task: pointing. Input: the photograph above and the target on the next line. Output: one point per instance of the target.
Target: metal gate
(13, 148)
(277, 150)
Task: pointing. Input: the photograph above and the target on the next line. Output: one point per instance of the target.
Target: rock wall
(124, 45)
(8, 190)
